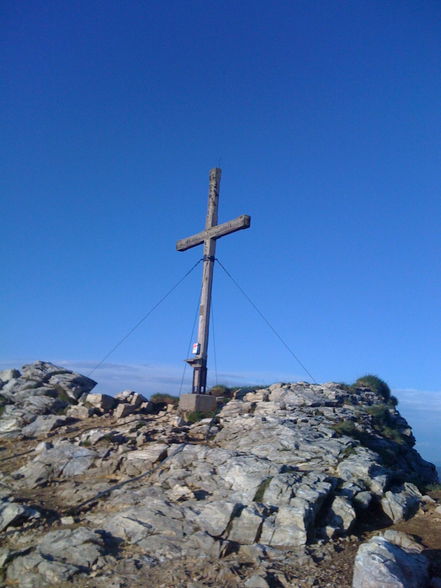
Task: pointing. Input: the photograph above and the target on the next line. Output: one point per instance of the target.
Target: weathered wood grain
(237, 224)
(208, 238)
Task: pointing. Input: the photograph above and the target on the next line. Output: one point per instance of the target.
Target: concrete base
(201, 402)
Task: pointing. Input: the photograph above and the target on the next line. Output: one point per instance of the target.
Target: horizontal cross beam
(239, 223)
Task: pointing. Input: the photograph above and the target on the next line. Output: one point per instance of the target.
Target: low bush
(345, 428)
(196, 415)
(434, 490)
(393, 435)
(384, 423)
(376, 384)
(220, 390)
(164, 399)
(380, 413)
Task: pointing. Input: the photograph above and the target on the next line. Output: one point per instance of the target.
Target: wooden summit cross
(208, 238)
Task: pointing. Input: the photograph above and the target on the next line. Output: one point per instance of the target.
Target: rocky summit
(292, 485)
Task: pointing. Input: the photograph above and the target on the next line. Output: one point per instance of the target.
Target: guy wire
(260, 313)
(154, 307)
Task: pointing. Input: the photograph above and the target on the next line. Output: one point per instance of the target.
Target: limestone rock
(11, 424)
(363, 465)
(268, 481)
(215, 516)
(42, 446)
(6, 375)
(58, 556)
(203, 543)
(246, 525)
(380, 563)
(16, 387)
(290, 525)
(341, 516)
(63, 460)
(256, 581)
(80, 546)
(74, 385)
(43, 424)
(157, 527)
(78, 411)
(140, 460)
(402, 540)
(41, 389)
(12, 513)
(362, 500)
(33, 570)
(131, 397)
(101, 401)
(123, 410)
(400, 503)
(41, 370)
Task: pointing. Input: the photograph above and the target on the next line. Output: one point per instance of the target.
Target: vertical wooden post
(200, 371)
(208, 238)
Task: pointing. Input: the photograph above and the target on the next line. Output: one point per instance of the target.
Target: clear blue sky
(325, 118)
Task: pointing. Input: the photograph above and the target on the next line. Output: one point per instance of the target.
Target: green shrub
(345, 428)
(376, 384)
(434, 490)
(349, 429)
(196, 415)
(164, 398)
(380, 413)
(384, 423)
(393, 435)
(220, 390)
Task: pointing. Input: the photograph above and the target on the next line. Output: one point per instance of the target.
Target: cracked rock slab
(380, 563)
